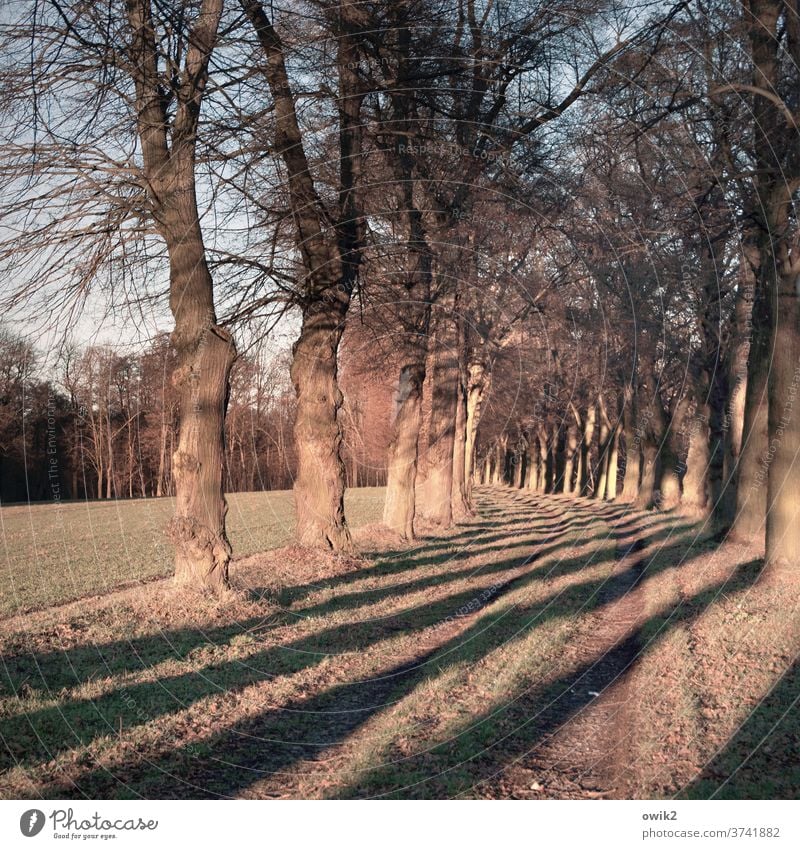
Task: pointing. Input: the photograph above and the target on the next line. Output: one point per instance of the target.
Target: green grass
(55, 553)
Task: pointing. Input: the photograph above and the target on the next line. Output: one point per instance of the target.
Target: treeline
(105, 426)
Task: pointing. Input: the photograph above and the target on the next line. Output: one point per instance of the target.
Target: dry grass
(53, 553)
(465, 666)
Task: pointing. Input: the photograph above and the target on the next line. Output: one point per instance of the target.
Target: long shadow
(233, 759)
(40, 735)
(762, 760)
(479, 751)
(382, 568)
(54, 670)
(560, 568)
(51, 671)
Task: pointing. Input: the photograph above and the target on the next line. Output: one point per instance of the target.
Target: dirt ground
(550, 647)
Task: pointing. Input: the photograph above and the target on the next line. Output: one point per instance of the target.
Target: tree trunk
(570, 453)
(205, 354)
(438, 484)
(543, 455)
(751, 484)
(782, 547)
(737, 382)
(633, 449)
(646, 496)
(696, 499)
(399, 509)
(669, 466)
(519, 469)
(613, 457)
(460, 502)
(320, 482)
(478, 379)
(586, 448)
(162, 454)
(604, 445)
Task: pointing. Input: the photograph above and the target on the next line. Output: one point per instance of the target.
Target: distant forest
(105, 425)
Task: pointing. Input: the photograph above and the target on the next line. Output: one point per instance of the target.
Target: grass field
(54, 553)
(549, 647)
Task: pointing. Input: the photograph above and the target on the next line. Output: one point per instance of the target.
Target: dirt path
(580, 758)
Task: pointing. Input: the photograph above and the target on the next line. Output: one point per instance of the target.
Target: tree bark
(633, 452)
(437, 487)
(782, 545)
(571, 451)
(402, 466)
(461, 506)
(751, 485)
(478, 381)
(613, 458)
(589, 423)
(736, 364)
(320, 482)
(400, 506)
(696, 498)
(543, 455)
(331, 259)
(205, 351)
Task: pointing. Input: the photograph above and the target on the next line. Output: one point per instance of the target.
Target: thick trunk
(399, 508)
(589, 422)
(696, 499)
(205, 354)
(570, 454)
(320, 482)
(461, 507)
(533, 465)
(613, 458)
(669, 466)
(198, 527)
(437, 488)
(633, 449)
(736, 365)
(477, 387)
(519, 469)
(646, 496)
(603, 450)
(782, 554)
(751, 484)
(543, 455)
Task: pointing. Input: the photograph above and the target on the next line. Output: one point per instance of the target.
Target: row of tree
(563, 232)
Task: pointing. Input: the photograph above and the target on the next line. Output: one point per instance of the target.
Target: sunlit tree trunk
(437, 487)
(633, 452)
(331, 259)
(415, 310)
(543, 455)
(613, 458)
(736, 366)
(570, 450)
(589, 423)
(478, 380)
(320, 482)
(461, 506)
(205, 351)
(751, 482)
